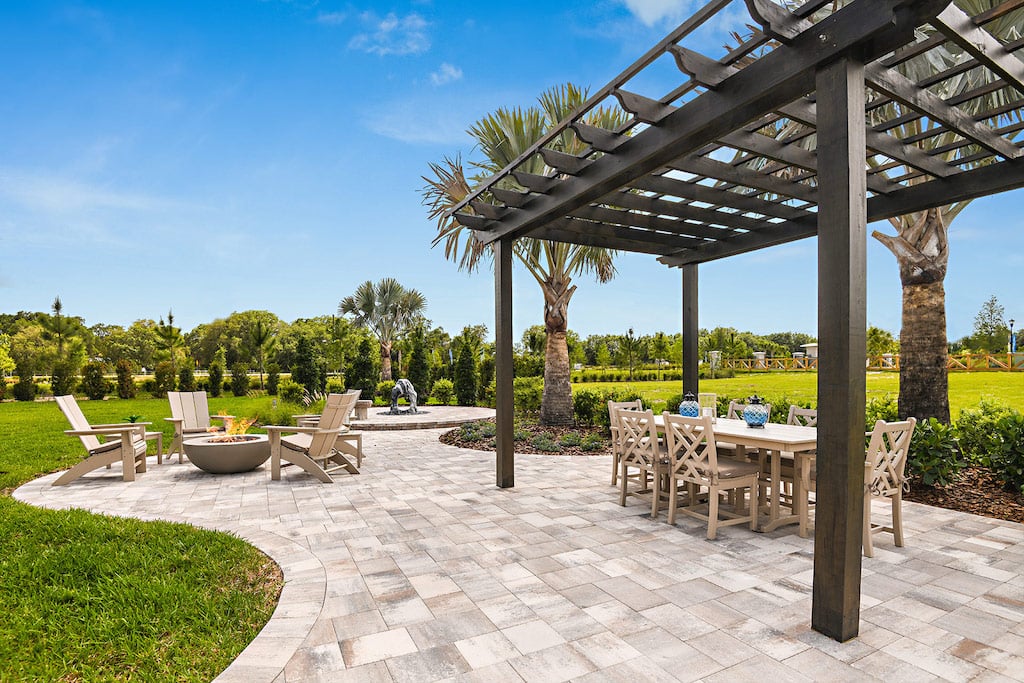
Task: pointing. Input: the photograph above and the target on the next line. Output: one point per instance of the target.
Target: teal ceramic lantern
(689, 407)
(756, 412)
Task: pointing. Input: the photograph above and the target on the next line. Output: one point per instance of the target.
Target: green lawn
(91, 598)
(965, 389)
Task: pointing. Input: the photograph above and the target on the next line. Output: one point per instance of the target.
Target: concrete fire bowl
(247, 452)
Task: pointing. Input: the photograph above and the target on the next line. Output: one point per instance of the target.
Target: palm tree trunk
(385, 361)
(922, 252)
(556, 403)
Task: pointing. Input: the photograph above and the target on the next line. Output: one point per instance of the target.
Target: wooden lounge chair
(124, 443)
(318, 450)
(349, 442)
(190, 414)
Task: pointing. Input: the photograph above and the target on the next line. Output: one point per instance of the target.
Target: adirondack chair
(190, 414)
(349, 443)
(125, 442)
(316, 449)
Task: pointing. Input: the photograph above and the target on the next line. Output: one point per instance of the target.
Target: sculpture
(403, 389)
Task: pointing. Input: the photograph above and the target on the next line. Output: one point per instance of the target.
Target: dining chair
(885, 476)
(641, 451)
(693, 460)
(799, 417)
(805, 417)
(613, 427)
(730, 450)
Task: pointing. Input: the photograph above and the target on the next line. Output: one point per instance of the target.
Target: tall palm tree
(501, 137)
(386, 309)
(921, 244)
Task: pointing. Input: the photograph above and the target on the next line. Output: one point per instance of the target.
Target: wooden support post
(505, 444)
(691, 331)
(842, 322)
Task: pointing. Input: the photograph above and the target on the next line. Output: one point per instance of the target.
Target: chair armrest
(120, 424)
(98, 431)
(222, 417)
(179, 420)
(294, 430)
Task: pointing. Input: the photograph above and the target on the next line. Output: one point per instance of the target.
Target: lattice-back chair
(125, 442)
(640, 451)
(885, 476)
(190, 413)
(803, 417)
(729, 450)
(616, 453)
(315, 449)
(694, 462)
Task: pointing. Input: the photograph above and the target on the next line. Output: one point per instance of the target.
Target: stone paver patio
(419, 569)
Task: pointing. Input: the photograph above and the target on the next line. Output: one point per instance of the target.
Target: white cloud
(392, 35)
(417, 123)
(331, 18)
(58, 195)
(446, 73)
(651, 12)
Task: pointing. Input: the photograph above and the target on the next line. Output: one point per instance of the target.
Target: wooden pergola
(788, 135)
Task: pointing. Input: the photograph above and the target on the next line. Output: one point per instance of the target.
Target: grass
(965, 389)
(91, 598)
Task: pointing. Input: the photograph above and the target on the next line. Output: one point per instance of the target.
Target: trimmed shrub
(485, 380)
(186, 379)
(307, 369)
(593, 442)
(163, 375)
(586, 404)
(419, 370)
(94, 384)
(125, 381)
(3, 386)
(335, 385)
(239, 379)
(382, 392)
(488, 394)
(527, 394)
(885, 409)
(571, 440)
(978, 432)
(273, 378)
(934, 456)
(361, 373)
(1008, 457)
(544, 442)
(25, 389)
(442, 391)
(216, 379)
(290, 391)
(465, 377)
(62, 381)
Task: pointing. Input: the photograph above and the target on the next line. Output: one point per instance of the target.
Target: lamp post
(1013, 339)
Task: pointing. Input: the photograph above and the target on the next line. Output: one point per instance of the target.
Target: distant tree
(991, 333)
(239, 379)
(186, 379)
(881, 341)
(62, 378)
(216, 379)
(169, 340)
(273, 378)
(386, 309)
(465, 376)
(125, 379)
(361, 374)
(165, 378)
(419, 369)
(25, 389)
(261, 338)
(603, 357)
(306, 370)
(94, 383)
(59, 326)
(628, 348)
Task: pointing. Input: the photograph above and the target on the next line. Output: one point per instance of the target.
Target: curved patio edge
(430, 417)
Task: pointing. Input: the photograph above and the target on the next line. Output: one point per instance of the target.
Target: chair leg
(753, 504)
(623, 480)
(656, 498)
(897, 518)
(712, 513)
(869, 550)
(615, 469)
(673, 499)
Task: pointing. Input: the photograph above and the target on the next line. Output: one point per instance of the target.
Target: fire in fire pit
(234, 431)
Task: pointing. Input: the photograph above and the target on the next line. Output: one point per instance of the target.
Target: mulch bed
(976, 491)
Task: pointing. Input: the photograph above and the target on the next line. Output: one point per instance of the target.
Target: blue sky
(223, 155)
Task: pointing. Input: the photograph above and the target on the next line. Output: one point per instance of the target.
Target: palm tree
(502, 136)
(261, 335)
(386, 309)
(921, 244)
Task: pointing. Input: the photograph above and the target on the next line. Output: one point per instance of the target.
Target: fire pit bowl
(218, 455)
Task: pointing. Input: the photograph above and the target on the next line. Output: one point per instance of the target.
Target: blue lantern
(689, 407)
(756, 412)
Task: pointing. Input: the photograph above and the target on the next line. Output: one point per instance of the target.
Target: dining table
(775, 442)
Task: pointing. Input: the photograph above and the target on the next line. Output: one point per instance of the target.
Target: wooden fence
(963, 362)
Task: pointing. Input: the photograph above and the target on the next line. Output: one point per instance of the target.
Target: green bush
(571, 440)
(125, 381)
(934, 456)
(1008, 456)
(544, 442)
(978, 433)
(290, 391)
(442, 391)
(527, 393)
(163, 375)
(62, 381)
(593, 442)
(186, 379)
(307, 368)
(586, 404)
(419, 369)
(149, 385)
(94, 384)
(465, 377)
(361, 373)
(273, 378)
(489, 395)
(3, 386)
(885, 409)
(335, 385)
(216, 379)
(239, 379)
(382, 392)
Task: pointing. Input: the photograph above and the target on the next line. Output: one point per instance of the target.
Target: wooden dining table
(775, 441)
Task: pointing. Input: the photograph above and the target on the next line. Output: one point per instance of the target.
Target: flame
(238, 426)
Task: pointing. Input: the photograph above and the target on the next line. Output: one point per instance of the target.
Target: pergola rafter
(816, 124)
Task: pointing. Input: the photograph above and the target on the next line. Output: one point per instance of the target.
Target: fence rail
(962, 362)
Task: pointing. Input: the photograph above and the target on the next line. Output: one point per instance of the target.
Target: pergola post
(691, 357)
(842, 322)
(504, 442)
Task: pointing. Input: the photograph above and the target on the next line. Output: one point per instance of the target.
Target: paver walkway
(419, 569)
